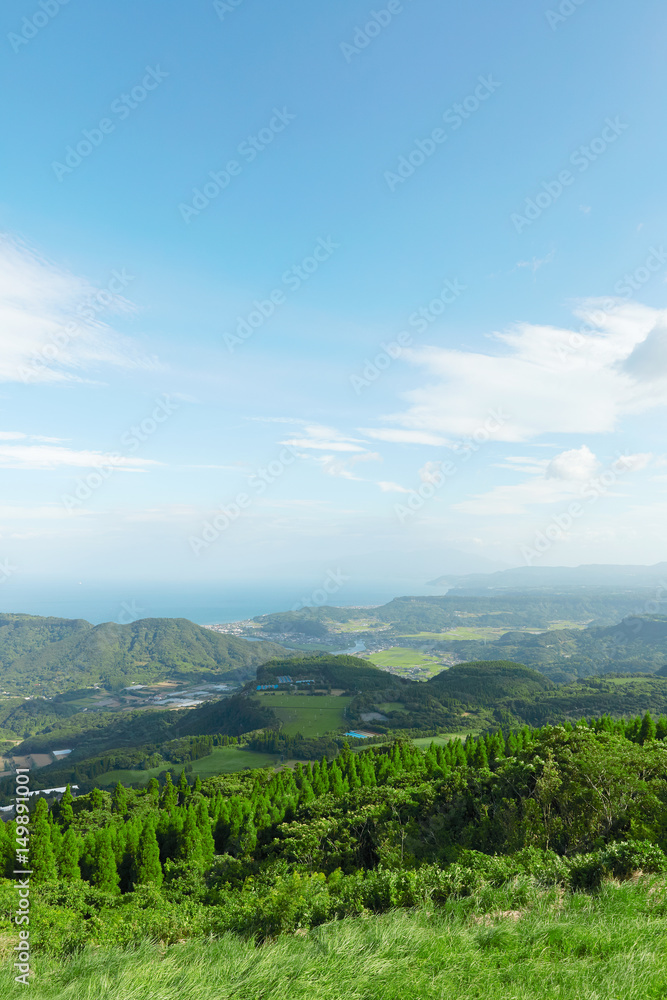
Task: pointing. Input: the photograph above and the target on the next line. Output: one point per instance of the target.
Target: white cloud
(49, 457)
(322, 438)
(546, 380)
(563, 478)
(577, 464)
(403, 437)
(431, 473)
(388, 487)
(37, 302)
(636, 462)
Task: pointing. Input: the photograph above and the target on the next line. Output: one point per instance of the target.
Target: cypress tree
(647, 730)
(169, 797)
(42, 857)
(183, 788)
(148, 870)
(189, 840)
(119, 800)
(68, 860)
(105, 872)
(204, 824)
(65, 808)
(7, 848)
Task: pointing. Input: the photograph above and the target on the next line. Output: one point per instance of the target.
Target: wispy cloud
(320, 438)
(544, 379)
(52, 456)
(48, 332)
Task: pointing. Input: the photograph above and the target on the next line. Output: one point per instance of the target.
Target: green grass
(402, 660)
(310, 715)
(572, 947)
(222, 760)
(442, 740)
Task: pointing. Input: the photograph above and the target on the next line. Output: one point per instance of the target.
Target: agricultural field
(407, 662)
(444, 738)
(223, 760)
(359, 625)
(310, 715)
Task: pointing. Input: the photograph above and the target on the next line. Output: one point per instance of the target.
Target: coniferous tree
(42, 857)
(647, 730)
(189, 840)
(104, 873)
(119, 800)
(68, 859)
(65, 811)
(204, 824)
(7, 848)
(148, 870)
(184, 789)
(169, 797)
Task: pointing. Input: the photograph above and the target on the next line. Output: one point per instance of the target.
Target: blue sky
(369, 291)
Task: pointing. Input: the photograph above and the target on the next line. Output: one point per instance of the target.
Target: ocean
(204, 604)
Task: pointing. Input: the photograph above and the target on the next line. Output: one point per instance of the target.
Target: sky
(330, 295)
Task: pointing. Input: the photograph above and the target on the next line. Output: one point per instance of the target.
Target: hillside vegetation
(574, 947)
(47, 656)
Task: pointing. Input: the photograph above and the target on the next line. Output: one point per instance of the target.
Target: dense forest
(394, 825)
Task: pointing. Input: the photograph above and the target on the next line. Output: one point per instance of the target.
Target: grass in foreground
(607, 946)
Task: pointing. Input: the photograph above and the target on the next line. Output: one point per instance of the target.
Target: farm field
(444, 738)
(223, 760)
(490, 632)
(407, 662)
(310, 715)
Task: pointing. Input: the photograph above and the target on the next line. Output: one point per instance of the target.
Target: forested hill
(50, 655)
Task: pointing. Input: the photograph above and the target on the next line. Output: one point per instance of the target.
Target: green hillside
(527, 864)
(48, 656)
(489, 683)
(637, 643)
